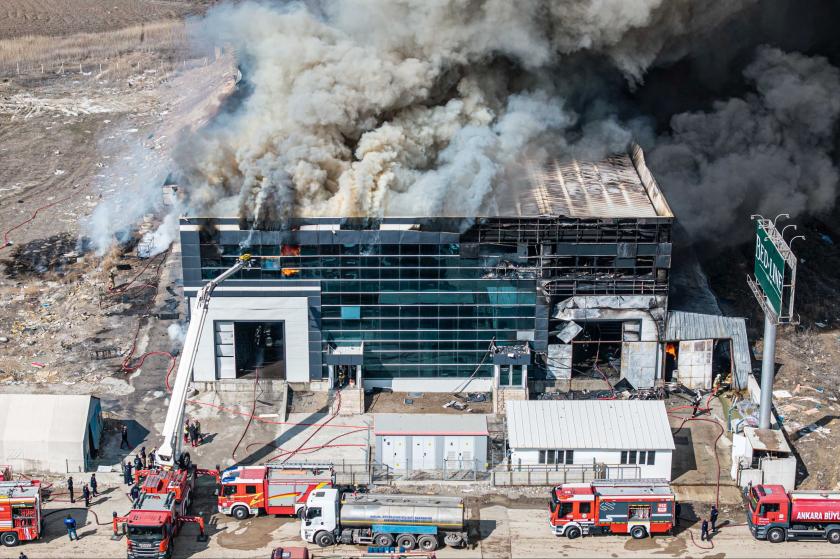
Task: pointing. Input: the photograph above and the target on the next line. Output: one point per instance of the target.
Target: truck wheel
(240, 512)
(383, 540)
(9, 539)
(406, 541)
(638, 532)
(572, 532)
(324, 539)
(776, 535)
(427, 543)
(834, 536)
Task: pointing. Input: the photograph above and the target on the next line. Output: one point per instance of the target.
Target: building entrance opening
(260, 346)
(672, 352)
(722, 363)
(344, 374)
(596, 352)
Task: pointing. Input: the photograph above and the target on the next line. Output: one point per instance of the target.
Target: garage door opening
(260, 346)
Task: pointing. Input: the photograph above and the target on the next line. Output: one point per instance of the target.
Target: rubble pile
(807, 399)
(60, 325)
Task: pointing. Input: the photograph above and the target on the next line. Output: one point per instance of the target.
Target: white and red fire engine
(20, 511)
(273, 488)
(159, 513)
(639, 507)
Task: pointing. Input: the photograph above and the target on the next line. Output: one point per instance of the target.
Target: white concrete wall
(425, 384)
(587, 457)
(291, 310)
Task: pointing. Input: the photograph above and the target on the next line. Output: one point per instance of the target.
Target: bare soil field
(19, 18)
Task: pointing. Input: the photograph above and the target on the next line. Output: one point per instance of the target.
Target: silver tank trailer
(363, 511)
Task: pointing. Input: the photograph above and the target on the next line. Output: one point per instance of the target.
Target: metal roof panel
(589, 424)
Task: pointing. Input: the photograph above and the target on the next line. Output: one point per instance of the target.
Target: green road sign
(769, 268)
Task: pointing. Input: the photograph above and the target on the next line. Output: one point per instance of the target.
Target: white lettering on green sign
(769, 268)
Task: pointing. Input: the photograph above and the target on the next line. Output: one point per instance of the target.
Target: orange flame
(671, 349)
(290, 250)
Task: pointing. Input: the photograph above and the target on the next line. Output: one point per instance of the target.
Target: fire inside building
(571, 271)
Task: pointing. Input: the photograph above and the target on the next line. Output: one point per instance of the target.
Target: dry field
(19, 18)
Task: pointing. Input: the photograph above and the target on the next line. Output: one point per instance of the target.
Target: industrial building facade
(575, 253)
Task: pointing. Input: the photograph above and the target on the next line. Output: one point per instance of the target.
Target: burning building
(573, 264)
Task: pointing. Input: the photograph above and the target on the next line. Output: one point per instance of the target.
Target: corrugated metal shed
(686, 326)
(429, 424)
(589, 424)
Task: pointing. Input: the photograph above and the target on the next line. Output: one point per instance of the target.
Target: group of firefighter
(142, 461)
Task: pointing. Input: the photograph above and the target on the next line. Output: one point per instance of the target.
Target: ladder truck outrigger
(162, 508)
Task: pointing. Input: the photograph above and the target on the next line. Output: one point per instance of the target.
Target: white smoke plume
(384, 107)
(768, 152)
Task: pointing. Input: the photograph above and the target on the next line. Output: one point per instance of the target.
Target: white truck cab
(321, 516)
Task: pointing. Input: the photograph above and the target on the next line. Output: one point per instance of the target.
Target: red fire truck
(20, 511)
(638, 507)
(273, 488)
(776, 515)
(159, 513)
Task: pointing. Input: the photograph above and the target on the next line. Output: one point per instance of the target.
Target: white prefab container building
(57, 433)
(408, 442)
(632, 434)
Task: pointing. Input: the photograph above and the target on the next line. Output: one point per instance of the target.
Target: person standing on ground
(86, 495)
(193, 436)
(70, 488)
(677, 513)
(187, 430)
(127, 479)
(93, 485)
(697, 400)
(134, 493)
(197, 432)
(704, 530)
(143, 456)
(138, 464)
(70, 524)
(713, 516)
(152, 458)
(124, 442)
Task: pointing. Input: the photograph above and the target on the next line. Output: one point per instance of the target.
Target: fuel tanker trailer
(407, 521)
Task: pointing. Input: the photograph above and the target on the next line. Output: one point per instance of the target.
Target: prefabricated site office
(415, 303)
(630, 438)
(407, 442)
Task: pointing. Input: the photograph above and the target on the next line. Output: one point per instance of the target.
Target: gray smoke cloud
(768, 152)
(412, 107)
(381, 107)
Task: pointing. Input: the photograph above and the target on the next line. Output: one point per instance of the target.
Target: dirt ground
(62, 17)
(514, 526)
